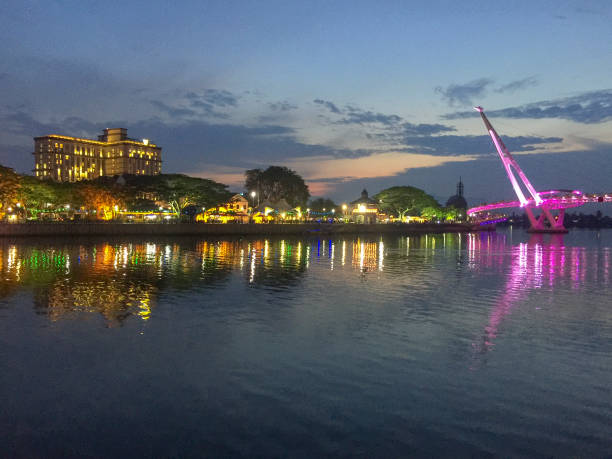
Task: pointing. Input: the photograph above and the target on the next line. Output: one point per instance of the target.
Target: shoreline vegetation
(216, 229)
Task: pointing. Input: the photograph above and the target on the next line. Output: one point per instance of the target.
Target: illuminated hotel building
(70, 159)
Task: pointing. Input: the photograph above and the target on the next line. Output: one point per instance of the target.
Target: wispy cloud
(357, 116)
(463, 94)
(329, 105)
(588, 108)
(457, 145)
(282, 106)
(175, 112)
(517, 85)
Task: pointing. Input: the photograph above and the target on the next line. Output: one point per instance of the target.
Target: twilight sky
(350, 94)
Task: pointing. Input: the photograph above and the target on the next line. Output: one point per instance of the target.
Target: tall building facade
(70, 159)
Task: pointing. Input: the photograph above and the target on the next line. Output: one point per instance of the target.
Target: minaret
(460, 187)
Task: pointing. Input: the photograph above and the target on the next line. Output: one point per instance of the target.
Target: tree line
(105, 196)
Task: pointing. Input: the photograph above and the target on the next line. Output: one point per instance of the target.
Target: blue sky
(349, 94)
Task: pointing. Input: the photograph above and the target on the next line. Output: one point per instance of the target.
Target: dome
(458, 202)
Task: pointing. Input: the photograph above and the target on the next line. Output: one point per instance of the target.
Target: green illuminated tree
(406, 200)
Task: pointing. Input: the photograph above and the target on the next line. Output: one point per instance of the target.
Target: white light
(145, 141)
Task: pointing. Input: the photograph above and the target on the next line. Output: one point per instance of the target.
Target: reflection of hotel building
(70, 159)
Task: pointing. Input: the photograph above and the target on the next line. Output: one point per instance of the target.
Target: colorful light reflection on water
(479, 344)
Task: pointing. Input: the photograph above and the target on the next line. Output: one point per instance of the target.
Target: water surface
(479, 344)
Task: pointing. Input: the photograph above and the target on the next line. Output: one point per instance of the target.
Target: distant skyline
(350, 94)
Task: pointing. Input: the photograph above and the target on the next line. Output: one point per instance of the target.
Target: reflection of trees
(115, 299)
(122, 279)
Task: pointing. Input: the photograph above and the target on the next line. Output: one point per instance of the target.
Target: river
(447, 344)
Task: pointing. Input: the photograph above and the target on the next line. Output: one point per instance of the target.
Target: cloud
(175, 112)
(329, 105)
(214, 97)
(22, 123)
(588, 108)
(282, 106)
(205, 104)
(517, 85)
(457, 145)
(381, 164)
(463, 94)
(409, 129)
(356, 116)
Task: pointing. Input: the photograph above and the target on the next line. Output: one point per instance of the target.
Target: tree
(277, 183)
(432, 212)
(39, 195)
(10, 185)
(177, 190)
(181, 191)
(103, 201)
(322, 205)
(406, 200)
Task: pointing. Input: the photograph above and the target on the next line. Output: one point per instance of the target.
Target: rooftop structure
(364, 209)
(70, 159)
(457, 201)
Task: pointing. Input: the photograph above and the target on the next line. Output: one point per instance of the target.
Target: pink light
(515, 185)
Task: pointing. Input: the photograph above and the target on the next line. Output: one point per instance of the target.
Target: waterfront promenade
(176, 229)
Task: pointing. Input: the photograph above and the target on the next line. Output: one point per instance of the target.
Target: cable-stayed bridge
(551, 203)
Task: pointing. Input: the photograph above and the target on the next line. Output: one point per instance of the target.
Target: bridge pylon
(546, 222)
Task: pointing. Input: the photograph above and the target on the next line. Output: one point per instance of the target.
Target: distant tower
(460, 187)
(457, 201)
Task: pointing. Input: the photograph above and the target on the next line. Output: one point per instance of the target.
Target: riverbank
(203, 229)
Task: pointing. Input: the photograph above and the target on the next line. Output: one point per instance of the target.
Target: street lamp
(253, 194)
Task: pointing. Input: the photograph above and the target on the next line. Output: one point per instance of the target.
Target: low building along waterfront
(70, 159)
(364, 209)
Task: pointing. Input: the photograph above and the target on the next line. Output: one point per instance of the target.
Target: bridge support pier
(546, 222)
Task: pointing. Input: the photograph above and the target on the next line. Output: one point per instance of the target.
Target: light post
(253, 194)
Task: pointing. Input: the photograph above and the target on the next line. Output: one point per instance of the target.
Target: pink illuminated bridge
(529, 198)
